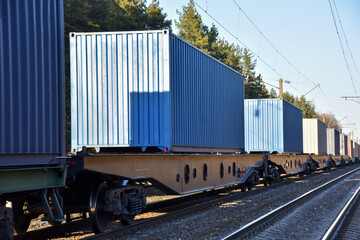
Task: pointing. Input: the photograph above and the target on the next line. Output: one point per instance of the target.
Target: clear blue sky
(304, 32)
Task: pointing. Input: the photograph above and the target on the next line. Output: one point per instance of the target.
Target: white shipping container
(314, 136)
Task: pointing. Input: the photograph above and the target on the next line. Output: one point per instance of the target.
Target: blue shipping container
(343, 144)
(32, 84)
(272, 125)
(152, 89)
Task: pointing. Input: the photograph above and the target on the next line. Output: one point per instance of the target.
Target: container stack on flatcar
(272, 125)
(350, 150)
(314, 136)
(343, 144)
(333, 142)
(355, 149)
(152, 89)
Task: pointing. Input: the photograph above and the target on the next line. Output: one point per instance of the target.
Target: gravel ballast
(218, 221)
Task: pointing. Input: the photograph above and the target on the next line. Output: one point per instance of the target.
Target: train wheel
(98, 217)
(22, 220)
(54, 223)
(127, 219)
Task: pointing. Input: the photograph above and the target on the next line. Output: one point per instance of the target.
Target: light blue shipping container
(32, 81)
(152, 89)
(272, 125)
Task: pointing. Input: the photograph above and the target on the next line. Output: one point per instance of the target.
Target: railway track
(174, 208)
(251, 229)
(347, 223)
(122, 232)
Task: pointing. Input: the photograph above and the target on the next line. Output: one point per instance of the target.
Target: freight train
(154, 109)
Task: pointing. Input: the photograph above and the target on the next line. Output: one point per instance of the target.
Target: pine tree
(156, 19)
(273, 93)
(307, 108)
(191, 27)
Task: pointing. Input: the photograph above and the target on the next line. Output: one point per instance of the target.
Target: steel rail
(259, 222)
(340, 220)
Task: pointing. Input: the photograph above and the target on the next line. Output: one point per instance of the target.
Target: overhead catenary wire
(283, 56)
(255, 54)
(342, 47)
(66, 24)
(346, 41)
(242, 43)
(276, 49)
(271, 44)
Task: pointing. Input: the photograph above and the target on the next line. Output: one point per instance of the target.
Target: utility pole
(280, 88)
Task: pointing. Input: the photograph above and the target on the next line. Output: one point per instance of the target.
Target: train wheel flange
(98, 217)
(127, 219)
(22, 220)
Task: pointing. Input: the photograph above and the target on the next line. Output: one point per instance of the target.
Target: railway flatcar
(155, 108)
(149, 91)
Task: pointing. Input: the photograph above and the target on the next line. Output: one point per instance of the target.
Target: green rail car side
(18, 179)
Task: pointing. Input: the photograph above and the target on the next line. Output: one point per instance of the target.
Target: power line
(342, 47)
(343, 31)
(72, 27)
(228, 31)
(233, 35)
(262, 60)
(327, 99)
(271, 44)
(282, 55)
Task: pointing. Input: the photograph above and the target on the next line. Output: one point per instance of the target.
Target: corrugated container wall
(343, 145)
(32, 102)
(355, 149)
(314, 136)
(272, 125)
(333, 142)
(350, 148)
(152, 89)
